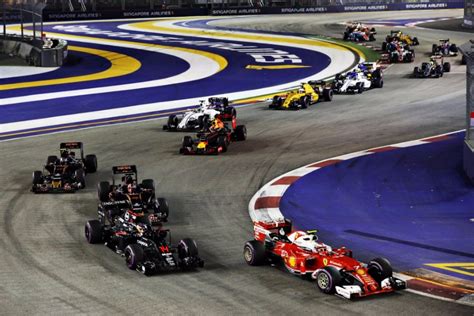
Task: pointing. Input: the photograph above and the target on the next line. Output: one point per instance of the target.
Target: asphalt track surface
(47, 266)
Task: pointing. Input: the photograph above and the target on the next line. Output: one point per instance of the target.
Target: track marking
(457, 267)
(121, 65)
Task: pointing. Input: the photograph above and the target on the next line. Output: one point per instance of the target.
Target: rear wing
(71, 145)
(437, 57)
(444, 40)
(371, 65)
(264, 229)
(126, 169)
(218, 101)
(392, 32)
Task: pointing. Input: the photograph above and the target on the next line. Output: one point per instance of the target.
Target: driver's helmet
(142, 229)
(131, 188)
(217, 123)
(362, 67)
(64, 156)
(128, 179)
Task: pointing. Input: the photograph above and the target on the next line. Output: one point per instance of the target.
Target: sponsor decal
(325, 261)
(164, 248)
(259, 54)
(292, 261)
(144, 244)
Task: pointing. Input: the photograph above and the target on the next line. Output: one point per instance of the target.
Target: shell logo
(292, 261)
(325, 261)
(360, 272)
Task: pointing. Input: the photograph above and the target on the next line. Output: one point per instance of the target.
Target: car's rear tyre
(416, 71)
(446, 67)
(415, 41)
(327, 279)
(80, 177)
(93, 232)
(240, 133)
(90, 163)
(434, 49)
(276, 102)
(187, 247)
(187, 141)
(103, 190)
(453, 48)
(380, 269)
(51, 159)
(384, 46)
(148, 184)
(328, 94)
(133, 256)
(163, 208)
(37, 177)
(222, 143)
(254, 253)
(359, 87)
(172, 123)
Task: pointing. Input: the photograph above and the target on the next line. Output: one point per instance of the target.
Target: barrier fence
(62, 10)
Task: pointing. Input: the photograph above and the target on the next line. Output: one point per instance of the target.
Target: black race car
(66, 173)
(213, 142)
(445, 48)
(146, 249)
(129, 199)
(434, 68)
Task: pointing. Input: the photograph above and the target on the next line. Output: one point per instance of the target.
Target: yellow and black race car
(301, 98)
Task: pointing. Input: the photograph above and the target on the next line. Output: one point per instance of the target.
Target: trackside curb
(265, 206)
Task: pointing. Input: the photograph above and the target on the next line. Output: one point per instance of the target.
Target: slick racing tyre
(172, 123)
(434, 49)
(254, 253)
(37, 177)
(446, 67)
(79, 175)
(187, 141)
(148, 184)
(90, 163)
(133, 256)
(163, 208)
(416, 71)
(328, 94)
(327, 279)
(51, 159)
(359, 87)
(103, 189)
(222, 143)
(276, 102)
(241, 133)
(305, 102)
(187, 247)
(380, 269)
(93, 232)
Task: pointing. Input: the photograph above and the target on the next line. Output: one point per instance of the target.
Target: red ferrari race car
(334, 270)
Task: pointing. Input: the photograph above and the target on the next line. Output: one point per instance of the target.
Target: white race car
(200, 117)
(363, 77)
